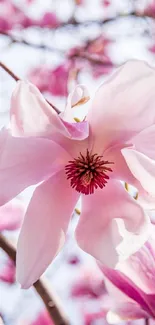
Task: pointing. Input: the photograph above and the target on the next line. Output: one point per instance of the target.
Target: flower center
(87, 173)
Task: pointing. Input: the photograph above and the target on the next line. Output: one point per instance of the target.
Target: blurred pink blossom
(150, 9)
(152, 48)
(11, 217)
(43, 319)
(88, 291)
(51, 148)
(99, 45)
(79, 2)
(8, 272)
(101, 69)
(50, 20)
(16, 16)
(96, 52)
(51, 80)
(106, 3)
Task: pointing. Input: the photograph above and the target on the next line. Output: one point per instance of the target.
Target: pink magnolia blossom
(51, 80)
(86, 159)
(132, 287)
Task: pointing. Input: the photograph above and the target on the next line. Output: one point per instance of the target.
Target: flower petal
(44, 227)
(145, 142)
(27, 161)
(78, 96)
(120, 169)
(32, 115)
(142, 167)
(124, 105)
(110, 240)
(11, 215)
(126, 295)
(142, 263)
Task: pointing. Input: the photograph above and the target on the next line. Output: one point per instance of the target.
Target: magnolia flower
(132, 287)
(86, 159)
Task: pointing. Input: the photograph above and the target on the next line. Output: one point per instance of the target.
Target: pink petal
(142, 263)
(145, 142)
(27, 161)
(142, 167)
(11, 215)
(120, 169)
(128, 300)
(78, 96)
(124, 105)
(44, 227)
(101, 235)
(32, 115)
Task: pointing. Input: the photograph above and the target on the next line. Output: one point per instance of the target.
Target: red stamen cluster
(88, 173)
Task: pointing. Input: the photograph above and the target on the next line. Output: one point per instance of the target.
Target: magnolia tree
(77, 162)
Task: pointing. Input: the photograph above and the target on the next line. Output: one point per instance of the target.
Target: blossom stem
(57, 317)
(146, 321)
(12, 74)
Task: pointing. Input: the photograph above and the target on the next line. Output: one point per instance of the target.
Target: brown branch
(75, 23)
(79, 55)
(4, 67)
(91, 58)
(41, 289)
(72, 22)
(13, 39)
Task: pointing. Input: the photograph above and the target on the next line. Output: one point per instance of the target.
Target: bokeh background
(56, 44)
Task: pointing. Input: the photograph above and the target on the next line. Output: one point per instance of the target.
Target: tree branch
(4, 67)
(91, 58)
(41, 289)
(12, 74)
(75, 23)
(13, 39)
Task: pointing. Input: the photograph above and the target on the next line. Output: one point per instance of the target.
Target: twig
(12, 74)
(4, 67)
(92, 58)
(36, 46)
(51, 306)
(80, 55)
(75, 23)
